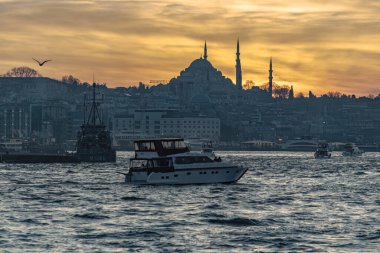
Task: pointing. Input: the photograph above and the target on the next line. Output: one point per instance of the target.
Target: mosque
(201, 83)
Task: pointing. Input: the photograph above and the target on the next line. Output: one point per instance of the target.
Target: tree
(265, 86)
(71, 80)
(141, 87)
(334, 94)
(311, 95)
(300, 95)
(248, 84)
(22, 72)
(281, 91)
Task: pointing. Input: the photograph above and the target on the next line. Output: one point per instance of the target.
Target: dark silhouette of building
(238, 68)
(270, 89)
(291, 93)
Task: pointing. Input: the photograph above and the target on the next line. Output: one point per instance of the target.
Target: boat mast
(94, 112)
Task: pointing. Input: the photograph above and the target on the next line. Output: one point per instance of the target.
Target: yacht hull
(188, 176)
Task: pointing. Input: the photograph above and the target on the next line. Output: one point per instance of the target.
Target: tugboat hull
(38, 158)
(98, 157)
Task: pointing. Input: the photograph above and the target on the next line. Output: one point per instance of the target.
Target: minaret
(238, 68)
(270, 89)
(291, 93)
(205, 52)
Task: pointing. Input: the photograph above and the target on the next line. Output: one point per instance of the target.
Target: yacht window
(180, 144)
(173, 145)
(168, 144)
(162, 163)
(146, 146)
(150, 164)
(139, 163)
(192, 159)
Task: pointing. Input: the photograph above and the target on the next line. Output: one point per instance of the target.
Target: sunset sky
(316, 45)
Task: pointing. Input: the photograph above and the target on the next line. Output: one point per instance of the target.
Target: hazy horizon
(316, 45)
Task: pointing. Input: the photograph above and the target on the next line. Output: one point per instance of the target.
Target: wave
(132, 198)
(92, 216)
(238, 222)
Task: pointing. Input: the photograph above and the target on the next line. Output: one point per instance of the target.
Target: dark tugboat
(94, 142)
(323, 151)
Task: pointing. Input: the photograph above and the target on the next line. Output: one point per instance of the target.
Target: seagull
(41, 63)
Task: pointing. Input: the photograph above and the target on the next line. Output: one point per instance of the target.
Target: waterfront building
(14, 121)
(164, 123)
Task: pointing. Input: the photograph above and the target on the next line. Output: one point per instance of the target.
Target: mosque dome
(201, 74)
(200, 64)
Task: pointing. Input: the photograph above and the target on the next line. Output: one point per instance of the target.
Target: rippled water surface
(285, 202)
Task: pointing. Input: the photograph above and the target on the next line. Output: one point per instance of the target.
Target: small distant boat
(351, 149)
(169, 161)
(323, 151)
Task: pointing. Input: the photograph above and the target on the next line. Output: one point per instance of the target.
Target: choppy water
(285, 202)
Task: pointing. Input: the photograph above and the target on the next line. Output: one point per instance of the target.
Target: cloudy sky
(320, 45)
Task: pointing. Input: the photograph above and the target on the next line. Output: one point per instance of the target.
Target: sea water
(286, 202)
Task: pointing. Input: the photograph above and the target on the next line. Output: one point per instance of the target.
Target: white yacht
(351, 149)
(169, 161)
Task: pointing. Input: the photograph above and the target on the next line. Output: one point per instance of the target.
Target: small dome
(200, 63)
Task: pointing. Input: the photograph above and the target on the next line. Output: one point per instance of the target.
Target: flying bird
(41, 63)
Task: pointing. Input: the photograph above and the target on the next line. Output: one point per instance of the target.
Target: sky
(316, 45)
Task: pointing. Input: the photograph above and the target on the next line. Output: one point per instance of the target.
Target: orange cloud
(318, 45)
